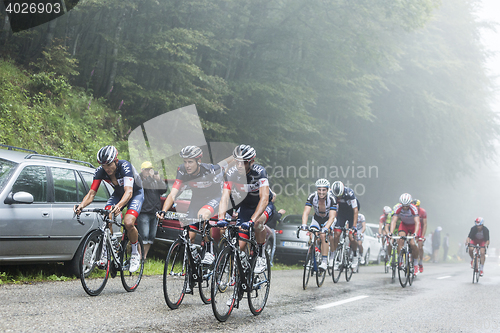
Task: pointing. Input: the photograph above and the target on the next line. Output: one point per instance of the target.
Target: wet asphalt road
(442, 299)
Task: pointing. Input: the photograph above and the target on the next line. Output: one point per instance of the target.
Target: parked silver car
(37, 195)
(371, 244)
(289, 248)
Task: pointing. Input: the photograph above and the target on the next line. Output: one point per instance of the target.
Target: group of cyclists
(240, 188)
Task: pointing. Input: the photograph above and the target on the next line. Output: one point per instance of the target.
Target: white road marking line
(443, 277)
(329, 305)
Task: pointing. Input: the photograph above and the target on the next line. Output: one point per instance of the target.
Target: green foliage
(45, 113)
(57, 60)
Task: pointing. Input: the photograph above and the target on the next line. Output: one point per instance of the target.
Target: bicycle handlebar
(104, 212)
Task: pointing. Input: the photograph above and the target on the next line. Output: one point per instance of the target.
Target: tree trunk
(114, 66)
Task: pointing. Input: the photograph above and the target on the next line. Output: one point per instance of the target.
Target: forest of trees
(398, 85)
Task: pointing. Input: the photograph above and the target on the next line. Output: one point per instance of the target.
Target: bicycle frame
(476, 261)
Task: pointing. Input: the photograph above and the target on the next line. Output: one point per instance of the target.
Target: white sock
(134, 248)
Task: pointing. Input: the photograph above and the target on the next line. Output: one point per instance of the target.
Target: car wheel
(72, 267)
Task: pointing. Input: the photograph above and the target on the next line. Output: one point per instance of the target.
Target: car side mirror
(19, 197)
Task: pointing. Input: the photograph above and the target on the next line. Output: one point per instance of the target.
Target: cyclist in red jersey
(422, 214)
(478, 235)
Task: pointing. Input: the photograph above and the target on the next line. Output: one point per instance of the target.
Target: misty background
(408, 87)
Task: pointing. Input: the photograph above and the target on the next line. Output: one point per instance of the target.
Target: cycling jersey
(361, 219)
(126, 175)
(422, 214)
(321, 214)
(407, 216)
(206, 185)
(479, 235)
(245, 188)
(345, 207)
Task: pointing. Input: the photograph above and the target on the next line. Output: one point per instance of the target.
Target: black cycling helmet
(338, 188)
(107, 155)
(191, 152)
(244, 153)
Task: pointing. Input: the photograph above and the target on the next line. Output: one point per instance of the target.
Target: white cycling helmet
(338, 188)
(479, 221)
(244, 153)
(361, 218)
(387, 210)
(405, 199)
(322, 182)
(191, 152)
(107, 155)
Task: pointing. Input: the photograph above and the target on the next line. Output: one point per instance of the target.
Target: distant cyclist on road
(384, 218)
(422, 214)
(205, 180)
(348, 207)
(128, 192)
(478, 235)
(360, 235)
(247, 186)
(325, 210)
(409, 225)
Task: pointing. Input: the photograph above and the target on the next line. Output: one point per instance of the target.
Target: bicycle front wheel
(225, 284)
(308, 267)
(411, 268)
(260, 284)
(175, 275)
(130, 280)
(205, 286)
(403, 267)
(475, 273)
(337, 262)
(92, 275)
(348, 264)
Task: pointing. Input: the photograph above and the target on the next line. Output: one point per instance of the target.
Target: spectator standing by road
(436, 243)
(154, 187)
(446, 243)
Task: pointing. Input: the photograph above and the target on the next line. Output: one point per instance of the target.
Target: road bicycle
(342, 258)
(235, 276)
(393, 255)
(313, 258)
(93, 274)
(184, 269)
(406, 269)
(383, 256)
(476, 261)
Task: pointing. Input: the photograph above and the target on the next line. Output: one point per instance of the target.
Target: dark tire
(205, 286)
(337, 261)
(348, 266)
(308, 265)
(403, 267)
(131, 280)
(269, 248)
(394, 265)
(260, 285)
(225, 282)
(175, 275)
(411, 269)
(386, 260)
(92, 276)
(320, 277)
(475, 273)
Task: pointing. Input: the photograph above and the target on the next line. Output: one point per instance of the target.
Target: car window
(65, 188)
(292, 220)
(32, 179)
(102, 194)
(6, 170)
(368, 231)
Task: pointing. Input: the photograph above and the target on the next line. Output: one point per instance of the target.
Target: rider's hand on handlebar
(303, 227)
(222, 223)
(324, 230)
(246, 225)
(115, 210)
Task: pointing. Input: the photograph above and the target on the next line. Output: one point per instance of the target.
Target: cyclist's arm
(424, 226)
(129, 190)
(467, 241)
(169, 201)
(417, 223)
(380, 228)
(331, 217)
(226, 162)
(393, 223)
(263, 202)
(226, 192)
(87, 200)
(305, 214)
(356, 210)
(364, 227)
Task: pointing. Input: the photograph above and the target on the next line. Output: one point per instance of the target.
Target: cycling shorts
(245, 214)
(134, 204)
(197, 204)
(360, 236)
(316, 224)
(341, 220)
(407, 228)
(478, 242)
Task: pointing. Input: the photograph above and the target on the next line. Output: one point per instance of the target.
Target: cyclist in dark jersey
(478, 235)
(205, 180)
(128, 192)
(325, 211)
(348, 207)
(247, 186)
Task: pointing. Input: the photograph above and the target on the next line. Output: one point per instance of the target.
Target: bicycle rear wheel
(205, 286)
(308, 267)
(93, 276)
(403, 267)
(260, 284)
(131, 280)
(175, 275)
(337, 261)
(225, 283)
(348, 264)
